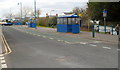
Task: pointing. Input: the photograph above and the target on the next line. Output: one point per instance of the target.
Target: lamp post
(35, 13)
(20, 8)
(35, 10)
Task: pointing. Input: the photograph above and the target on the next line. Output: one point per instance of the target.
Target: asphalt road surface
(31, 50)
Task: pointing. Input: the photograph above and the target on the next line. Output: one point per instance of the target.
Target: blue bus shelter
(69, 23)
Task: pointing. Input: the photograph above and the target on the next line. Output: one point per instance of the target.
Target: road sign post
(104, 15)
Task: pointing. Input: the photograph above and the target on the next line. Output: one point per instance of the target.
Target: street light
(35, 11)
(20, 8)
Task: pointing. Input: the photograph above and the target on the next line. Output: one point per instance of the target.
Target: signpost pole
(105, 24)
(104, 15)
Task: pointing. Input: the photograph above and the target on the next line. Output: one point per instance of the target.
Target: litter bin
(33, 25)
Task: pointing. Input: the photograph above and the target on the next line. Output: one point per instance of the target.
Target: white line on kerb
(93, 45)
(106, 47)
(4, 65)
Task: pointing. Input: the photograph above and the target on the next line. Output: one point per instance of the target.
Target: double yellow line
(6, 46)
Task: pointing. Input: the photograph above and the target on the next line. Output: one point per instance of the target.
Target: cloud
(46, 5)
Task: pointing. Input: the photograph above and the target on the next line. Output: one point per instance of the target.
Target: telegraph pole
(35, 10)
(20, 9)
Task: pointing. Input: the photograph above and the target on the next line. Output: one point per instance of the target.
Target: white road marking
(83, 43)
(93, 45)
(2, 61)
(30, 33)
(60, 40)
(118, 49)
(75, 43)
(2, 58)
(34, 34)
(44, 36)
(66, 42)
(38, 35)
(4, 65)
(106, 47)
(51, 38)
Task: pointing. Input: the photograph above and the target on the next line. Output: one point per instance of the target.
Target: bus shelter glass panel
(73, 20)
(69, 21)
(62, 20)
(58, 21)
(65, 21)
(77, 21)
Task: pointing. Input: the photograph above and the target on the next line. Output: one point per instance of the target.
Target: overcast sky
(46, 6)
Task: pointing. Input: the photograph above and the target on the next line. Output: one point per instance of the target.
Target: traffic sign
(104, 11)
(104, 14)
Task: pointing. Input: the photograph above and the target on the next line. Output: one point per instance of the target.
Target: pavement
(46, 48)
(83, 34)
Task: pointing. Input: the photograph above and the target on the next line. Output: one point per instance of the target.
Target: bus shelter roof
(69, 16)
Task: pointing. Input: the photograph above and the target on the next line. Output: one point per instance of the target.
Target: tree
(78, 10)
(26, 11)
(95, 9)
(84, 15)
(38, 12)
(8, 15)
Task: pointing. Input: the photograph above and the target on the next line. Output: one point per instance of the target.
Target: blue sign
(104, 11)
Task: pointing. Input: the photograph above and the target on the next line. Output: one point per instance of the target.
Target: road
(33, 49)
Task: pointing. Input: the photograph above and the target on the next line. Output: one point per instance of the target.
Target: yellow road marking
(7, 47)
(6, 51)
